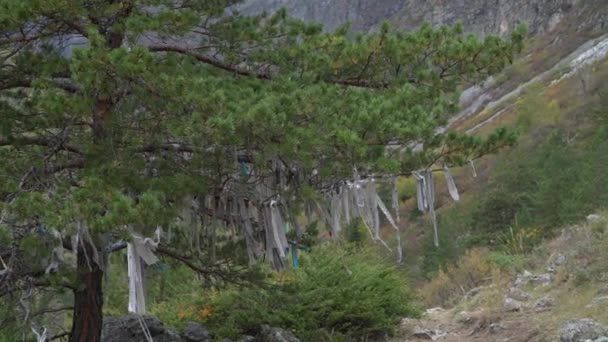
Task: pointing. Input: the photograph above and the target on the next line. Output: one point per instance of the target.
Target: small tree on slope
(113, 112)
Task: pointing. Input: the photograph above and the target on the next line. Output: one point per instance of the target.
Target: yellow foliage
(205, 312)
(185, 312)
(471, 270)
(406, 187)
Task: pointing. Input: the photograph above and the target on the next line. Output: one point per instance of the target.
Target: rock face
(581, 330)
(479, 16)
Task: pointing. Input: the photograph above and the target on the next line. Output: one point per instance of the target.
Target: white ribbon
(137, 250)
(451, 184)
(392, 222)
(473, 168)
(40, 337)
(56, 254)
(275, 221)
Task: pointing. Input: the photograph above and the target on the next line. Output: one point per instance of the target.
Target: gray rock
(593, 218)
(601, 300)
(496, 328)
(247, 338)
(523, 278)
(270, 334)
(544, 304)
(511, 304)
(428, 334)
(559, 260)
(579, 330)
(601, 339)
(433, 311)
(194, 332)
(542, 279)
(518, 294)
(128, 329)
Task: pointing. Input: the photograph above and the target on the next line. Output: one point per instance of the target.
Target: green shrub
(505, 261)
(454, 237)
(355, 232)
(556, 184)
(335, 294)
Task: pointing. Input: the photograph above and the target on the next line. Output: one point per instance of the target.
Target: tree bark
(88, 298)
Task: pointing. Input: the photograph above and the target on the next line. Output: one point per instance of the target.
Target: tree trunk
(88, 298)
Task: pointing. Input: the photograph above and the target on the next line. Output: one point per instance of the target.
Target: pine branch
(209, 60)
(352, 82)
(40, 141)
(27, 82)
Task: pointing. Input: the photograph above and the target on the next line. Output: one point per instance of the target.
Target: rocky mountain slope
(558, 294)
(561, 32)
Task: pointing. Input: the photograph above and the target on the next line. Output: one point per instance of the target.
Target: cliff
(479, 16)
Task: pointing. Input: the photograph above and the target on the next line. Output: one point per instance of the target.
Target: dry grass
(452, 283)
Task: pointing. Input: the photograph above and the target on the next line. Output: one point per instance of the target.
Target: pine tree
(113, 112)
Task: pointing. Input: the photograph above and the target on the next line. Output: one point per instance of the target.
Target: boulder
(597, 301)
(271, 334)
(496, 328)
(518, 294)
(542, 279)
(593, 218)
(559, 260)
(511, 304)
(544, 304)
(194, 332)
(428, 334)
(579, 330)
(523, 278)
(129, 329)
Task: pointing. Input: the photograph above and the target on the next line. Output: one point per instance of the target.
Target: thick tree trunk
(88, 298)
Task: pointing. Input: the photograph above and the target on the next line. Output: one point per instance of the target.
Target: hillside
(256, 183)
(555, 85)
(557, 293)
